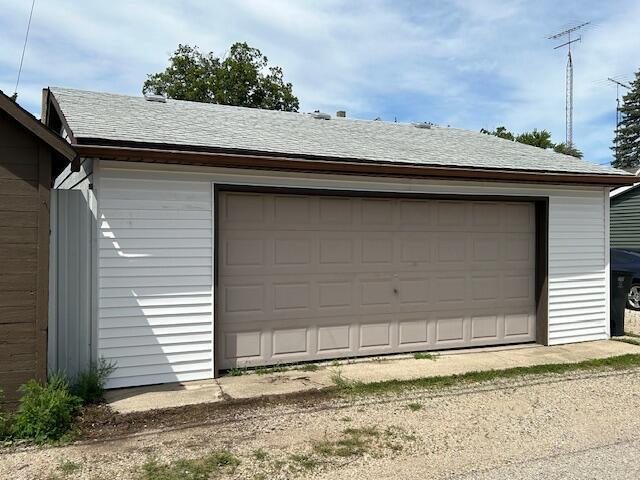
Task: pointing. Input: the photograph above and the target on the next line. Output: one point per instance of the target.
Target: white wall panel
(578, 275)
(155, 275)
(70, 329)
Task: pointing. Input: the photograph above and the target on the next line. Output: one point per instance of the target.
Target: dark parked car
(628, 261)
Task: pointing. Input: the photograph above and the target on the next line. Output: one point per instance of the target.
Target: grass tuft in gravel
(305, 462)
(270, 370)
(260, 454)
(352, 442)
(414, 406)
(352, 387)
(67, 467)
(190, 469)
(424, 356)
(344, 384)
(309, 367)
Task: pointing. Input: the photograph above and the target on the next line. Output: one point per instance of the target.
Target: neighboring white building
(207, 237)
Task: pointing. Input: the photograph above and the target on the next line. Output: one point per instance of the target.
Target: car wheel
(633, 300)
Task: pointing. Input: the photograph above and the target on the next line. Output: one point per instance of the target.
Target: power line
(24, 48)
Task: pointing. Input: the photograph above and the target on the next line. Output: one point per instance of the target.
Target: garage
(219, 237)
(307, 277)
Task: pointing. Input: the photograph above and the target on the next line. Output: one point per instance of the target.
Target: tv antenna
(618, 84)
(568, 78)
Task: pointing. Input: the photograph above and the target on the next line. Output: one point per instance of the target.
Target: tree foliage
(242, 78)
(500, 132)
(536, 138)
(627, 141)
(567, 150)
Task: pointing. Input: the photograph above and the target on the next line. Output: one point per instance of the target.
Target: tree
(627, 141)
(563, 148)
(242, 78)
(536, 138)
(541, 139)
(500, 132)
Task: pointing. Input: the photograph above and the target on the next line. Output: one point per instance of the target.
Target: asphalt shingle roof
(106, 116)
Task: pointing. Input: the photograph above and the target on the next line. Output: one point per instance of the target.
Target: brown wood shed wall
(25, 175)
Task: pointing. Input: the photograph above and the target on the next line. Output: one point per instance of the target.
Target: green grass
(343, 383)
(270, 370)
(309, 367)
(306, 462)
(260, 454)
(424, 356)
(414, 407)
(347, 386)
(632, 341)
(68, 467)
(190, 469)
(631, 334)
(352, 442)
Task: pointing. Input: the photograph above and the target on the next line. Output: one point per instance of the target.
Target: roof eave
(335, 165)
(36, 127)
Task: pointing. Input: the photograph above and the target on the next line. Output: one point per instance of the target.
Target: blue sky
(469, 64)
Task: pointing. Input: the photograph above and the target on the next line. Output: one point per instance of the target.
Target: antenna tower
(568, 79)
(618, 84)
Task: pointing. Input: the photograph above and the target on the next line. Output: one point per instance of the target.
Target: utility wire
(24, 48)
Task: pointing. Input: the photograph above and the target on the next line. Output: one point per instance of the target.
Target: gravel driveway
(632, 321)
(466, 432)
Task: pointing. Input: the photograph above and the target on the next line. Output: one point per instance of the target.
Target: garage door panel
(451, 249)
(486, 216)
(451, 215)
(485, 327)
(334, 338)
(450, 329)
(336, 211)
(519, 217)
(415, 214)
(375, 335)
(290, 341)
(242, 345)
(486, 249)
(244, 209)
(413, 333)
(316, 277)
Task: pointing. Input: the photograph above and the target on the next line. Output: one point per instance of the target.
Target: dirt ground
(436, 434)
(632, 321)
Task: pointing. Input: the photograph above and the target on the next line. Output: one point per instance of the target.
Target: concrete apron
(398, 367)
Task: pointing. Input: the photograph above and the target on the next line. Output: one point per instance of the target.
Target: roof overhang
(621, 190)
(268, 161)
(37, 128)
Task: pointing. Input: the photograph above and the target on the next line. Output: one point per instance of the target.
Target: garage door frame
(541, 205)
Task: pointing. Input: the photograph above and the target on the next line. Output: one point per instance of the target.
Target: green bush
(5, 420)
(46, 411)
(89, 385)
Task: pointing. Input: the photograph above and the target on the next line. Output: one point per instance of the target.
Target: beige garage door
(314, 277)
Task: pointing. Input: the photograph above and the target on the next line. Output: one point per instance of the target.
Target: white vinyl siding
(578, 278)
(155, 313)
(155, 296)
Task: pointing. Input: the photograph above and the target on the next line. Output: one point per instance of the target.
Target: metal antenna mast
(568, 79)
(618, 85)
